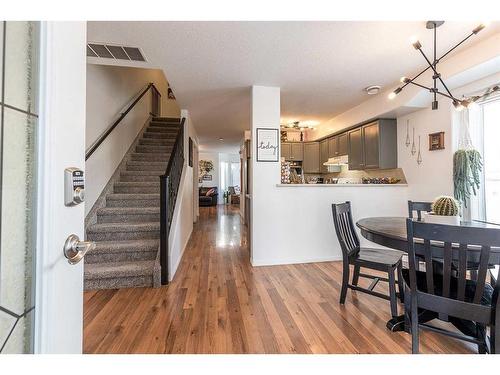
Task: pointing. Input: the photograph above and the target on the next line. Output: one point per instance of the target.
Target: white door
(59, 317)
(43, 132)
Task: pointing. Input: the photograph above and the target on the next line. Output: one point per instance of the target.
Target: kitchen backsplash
(372, 173)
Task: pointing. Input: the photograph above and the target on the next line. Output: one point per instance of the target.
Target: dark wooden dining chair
(418, 207)
(384, 260)
(450, 295)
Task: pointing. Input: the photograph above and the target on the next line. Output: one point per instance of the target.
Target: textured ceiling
(321, 67)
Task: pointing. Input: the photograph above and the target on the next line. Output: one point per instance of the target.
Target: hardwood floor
(219, 303)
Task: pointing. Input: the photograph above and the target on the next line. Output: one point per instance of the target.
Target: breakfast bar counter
(341, 185)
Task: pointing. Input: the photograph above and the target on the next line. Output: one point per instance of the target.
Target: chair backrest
(231, 190)
(458, 248)
(418, 207)
(346, 233)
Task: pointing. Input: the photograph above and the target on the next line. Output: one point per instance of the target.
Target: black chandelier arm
(453, 48)
(436, 73)
(431, 90)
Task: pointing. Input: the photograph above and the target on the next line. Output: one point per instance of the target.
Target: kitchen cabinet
(297, 152)
(286, 150)
(293, 151)
(373, 146)
(333, 149)
(342, 144)
(311, 157)
(355, 140)
(323, 155)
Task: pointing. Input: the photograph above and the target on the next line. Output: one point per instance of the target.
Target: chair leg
(400, 282)
(494, 339)
(355, 276)
(407, 311)
(414, 325)
(392, 293)
(345, 282)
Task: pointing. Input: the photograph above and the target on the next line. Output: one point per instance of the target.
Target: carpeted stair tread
(124, 227)
(131, 245)
(142, 156)
(140, 172)
(128, 210)
(118, 269)
(132, 200)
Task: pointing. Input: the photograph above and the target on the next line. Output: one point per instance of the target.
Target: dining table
(391, 232)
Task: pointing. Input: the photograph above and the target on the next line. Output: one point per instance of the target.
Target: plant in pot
(445, 210)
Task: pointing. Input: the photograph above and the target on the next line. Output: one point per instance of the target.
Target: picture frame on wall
(268, 144)
(436, 141)
(207, 177)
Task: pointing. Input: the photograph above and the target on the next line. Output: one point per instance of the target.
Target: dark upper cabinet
(355, 151)
(323, 155)
(286, 150)
(333, 147)
(292, 151)
(373, 146)
(297, 152)
(342, 144)
(311, 162)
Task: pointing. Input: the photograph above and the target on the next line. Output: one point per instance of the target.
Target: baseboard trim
(282, 262)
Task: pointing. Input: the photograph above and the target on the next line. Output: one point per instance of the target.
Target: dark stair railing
(155, 111)
(169, 186)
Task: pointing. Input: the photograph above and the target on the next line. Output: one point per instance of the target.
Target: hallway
(218, 303)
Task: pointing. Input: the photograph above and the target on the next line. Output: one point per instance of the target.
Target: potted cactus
(445, 210)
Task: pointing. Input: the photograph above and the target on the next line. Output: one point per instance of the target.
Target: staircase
(127, 228)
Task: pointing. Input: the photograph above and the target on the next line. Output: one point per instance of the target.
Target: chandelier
(459, 104)
(297, 125)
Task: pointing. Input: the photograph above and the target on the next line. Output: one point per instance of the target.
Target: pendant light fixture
(419, 156)
(433, 65)
(413, 148)
(407, 143)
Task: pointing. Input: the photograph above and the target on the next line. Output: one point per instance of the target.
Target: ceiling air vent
(110, 51)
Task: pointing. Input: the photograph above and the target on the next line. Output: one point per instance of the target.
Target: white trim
(280, 262)
(44, 168)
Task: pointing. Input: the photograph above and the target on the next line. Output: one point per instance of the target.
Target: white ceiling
(321, 67)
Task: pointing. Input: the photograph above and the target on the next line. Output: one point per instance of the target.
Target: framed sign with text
(268, 143)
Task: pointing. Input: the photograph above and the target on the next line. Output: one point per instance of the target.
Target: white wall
(182, 223)
(434, 176)
(110, 89)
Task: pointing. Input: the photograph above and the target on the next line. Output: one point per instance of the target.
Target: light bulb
(458, 105)
(415, 42)
(393, 94)
(481, 26)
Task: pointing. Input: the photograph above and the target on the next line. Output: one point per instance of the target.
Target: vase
(440, 219)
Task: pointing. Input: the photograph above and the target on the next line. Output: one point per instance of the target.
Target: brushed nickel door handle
(74, 250)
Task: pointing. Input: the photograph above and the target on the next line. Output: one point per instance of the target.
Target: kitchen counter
(341, 185)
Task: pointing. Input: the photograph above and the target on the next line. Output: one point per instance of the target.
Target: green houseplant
(445, 210)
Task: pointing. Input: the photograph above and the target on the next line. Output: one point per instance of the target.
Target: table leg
(397, 324)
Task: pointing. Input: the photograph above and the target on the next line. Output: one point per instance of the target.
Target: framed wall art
(436, 141)
(268, 144)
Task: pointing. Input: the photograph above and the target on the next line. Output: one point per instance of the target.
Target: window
(485, 132)
(491, 155)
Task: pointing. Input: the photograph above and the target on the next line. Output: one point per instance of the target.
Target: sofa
(208, 196)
